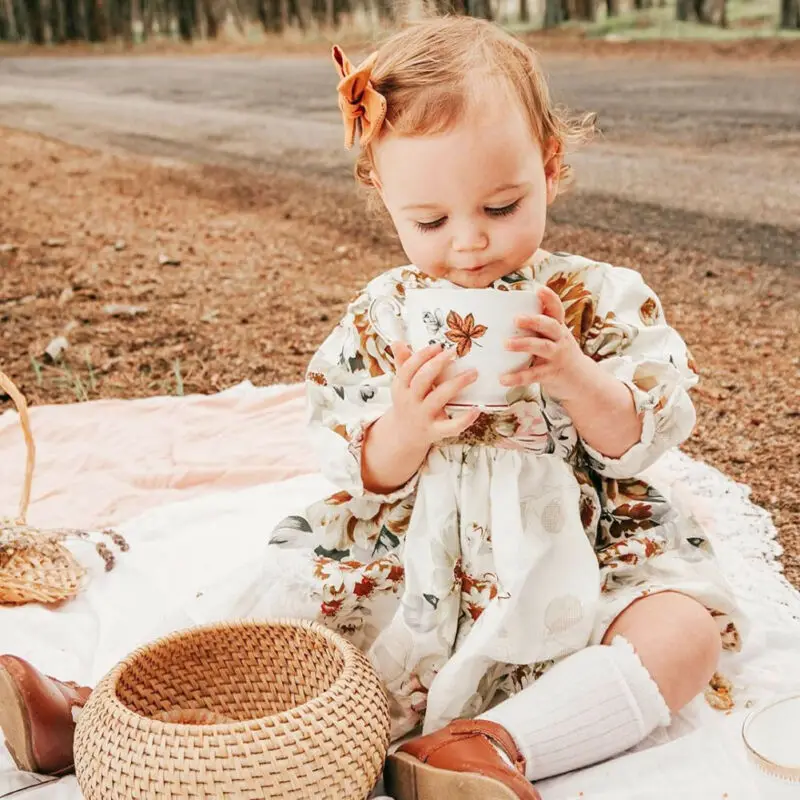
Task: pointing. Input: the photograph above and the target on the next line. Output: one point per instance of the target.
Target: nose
(469, 238)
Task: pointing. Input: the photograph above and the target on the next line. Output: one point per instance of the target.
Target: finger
(551, 304)
(402, 352)
(456, 425)
(541, 348)
(523, 377)
(409, 369)
(446, 391)
(426, 376)
(546, 327)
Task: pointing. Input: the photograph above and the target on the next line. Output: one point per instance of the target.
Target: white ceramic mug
(475, 322)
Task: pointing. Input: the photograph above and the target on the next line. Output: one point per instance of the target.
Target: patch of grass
(176, 368)
(747, 19)
(37, 371)
(62, 375)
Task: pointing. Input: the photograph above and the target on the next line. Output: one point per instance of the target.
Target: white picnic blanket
(202, 560)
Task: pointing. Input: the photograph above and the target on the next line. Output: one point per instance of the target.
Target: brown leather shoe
(459, 762)
(36, 716)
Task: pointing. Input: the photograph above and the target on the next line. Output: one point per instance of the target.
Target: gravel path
(693, 153)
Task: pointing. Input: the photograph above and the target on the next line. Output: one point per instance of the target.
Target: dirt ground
(179, 279)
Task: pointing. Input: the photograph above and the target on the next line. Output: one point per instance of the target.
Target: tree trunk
(148, 18)
(7, 24)
(165, 14)
(478, 8)
(524, 11)
(553, 13)
(21, 19)
(186, 19)
(300, 10)
(612, 8)
(265, 17)
(273, 15)
(682, 10)
(73, 21)
(238, 18)
(700, 11)
(212, 24)
(790, 14)
(119, 19)
(585, 10)
(96, 23)
(125, 20)
(56, 22)
(35, 21)
(11, 29)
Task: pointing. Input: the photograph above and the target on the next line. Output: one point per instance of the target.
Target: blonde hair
(433, 71)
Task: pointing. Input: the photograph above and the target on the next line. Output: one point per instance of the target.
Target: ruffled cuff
(340, 458)
(355, 450)
(667, 417)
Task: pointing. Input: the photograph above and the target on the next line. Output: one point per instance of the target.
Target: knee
(703, 644)
(696, 648)
(676, 639)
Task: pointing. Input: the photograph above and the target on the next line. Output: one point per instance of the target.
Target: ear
(376, 181)
(553, 158)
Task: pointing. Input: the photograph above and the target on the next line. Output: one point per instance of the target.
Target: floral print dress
(517, 543)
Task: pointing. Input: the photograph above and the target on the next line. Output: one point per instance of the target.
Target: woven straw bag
(35, 567)
(284, 709)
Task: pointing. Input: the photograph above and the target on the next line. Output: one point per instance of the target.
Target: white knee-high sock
(594, 704)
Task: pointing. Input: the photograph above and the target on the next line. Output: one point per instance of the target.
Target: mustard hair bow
(361, 104)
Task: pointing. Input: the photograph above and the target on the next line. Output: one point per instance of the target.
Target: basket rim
(349, 652)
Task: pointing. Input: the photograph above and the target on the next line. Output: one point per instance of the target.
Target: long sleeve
(349, 387)
(630, 339)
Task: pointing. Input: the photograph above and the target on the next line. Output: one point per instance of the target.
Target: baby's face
(469, 205)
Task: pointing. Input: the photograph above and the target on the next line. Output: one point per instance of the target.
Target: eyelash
(492, 212)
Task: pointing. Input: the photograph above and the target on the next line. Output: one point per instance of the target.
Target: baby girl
(522, 593)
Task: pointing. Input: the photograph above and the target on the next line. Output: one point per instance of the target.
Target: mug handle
(373, 311)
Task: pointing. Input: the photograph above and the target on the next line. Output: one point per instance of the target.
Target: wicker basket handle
(22, 408)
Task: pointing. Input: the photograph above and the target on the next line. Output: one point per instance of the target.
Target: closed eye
(430, 226)
(503, 211)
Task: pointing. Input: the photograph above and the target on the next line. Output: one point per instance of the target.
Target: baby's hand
(419, 398)
(558, 364)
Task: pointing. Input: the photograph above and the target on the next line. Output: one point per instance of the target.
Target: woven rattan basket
(300, 713)
(34, 567)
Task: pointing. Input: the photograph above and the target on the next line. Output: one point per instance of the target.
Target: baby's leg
(605, 699)
(676, 639)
